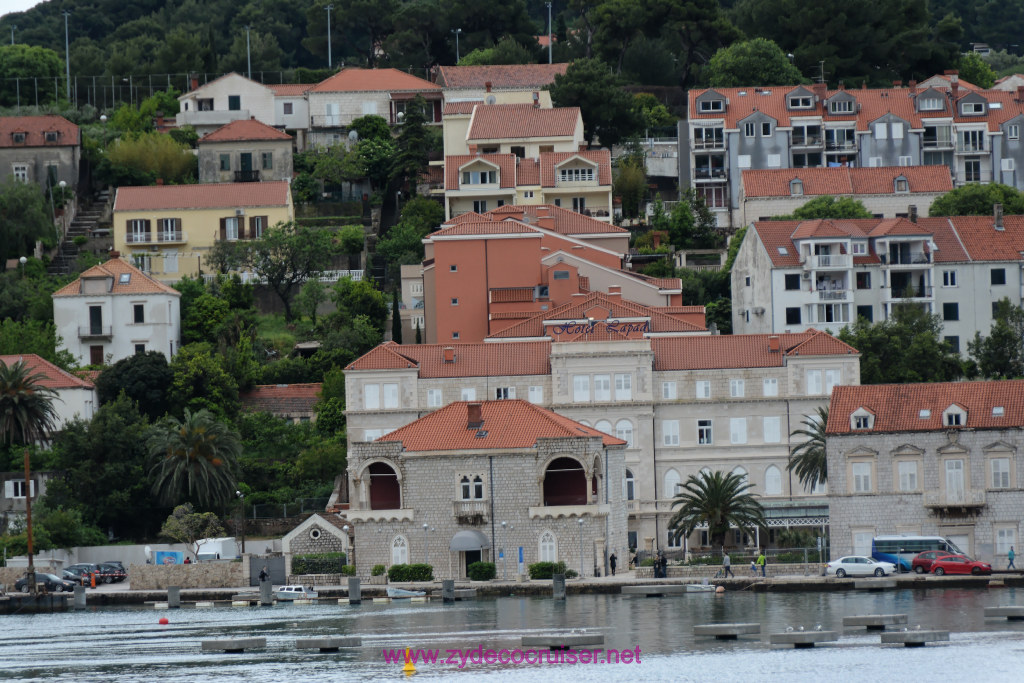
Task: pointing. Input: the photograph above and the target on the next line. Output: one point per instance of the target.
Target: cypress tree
(396, 318)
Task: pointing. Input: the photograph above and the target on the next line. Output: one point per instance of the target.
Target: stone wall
(8, 575)
(707, 571)
(198, 575)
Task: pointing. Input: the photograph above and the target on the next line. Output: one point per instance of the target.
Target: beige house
(39, 149)
(506, 83)
(167, 231)
(245, 152)
(233, 97)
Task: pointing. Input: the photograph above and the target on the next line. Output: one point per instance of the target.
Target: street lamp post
(504, 550)
(351, 548)
(23, 261)
(13, 27)
(241, 497)
(329, 8)
(549, 31)
(579, 522)
(67, 55)
(456, 31)
(248, 53)
(426, 544)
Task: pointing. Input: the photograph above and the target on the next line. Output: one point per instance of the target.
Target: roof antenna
(821, 66)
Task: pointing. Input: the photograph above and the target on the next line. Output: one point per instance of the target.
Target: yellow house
(168, 230)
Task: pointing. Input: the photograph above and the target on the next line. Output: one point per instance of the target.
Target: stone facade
(196, 575)
(316, 535)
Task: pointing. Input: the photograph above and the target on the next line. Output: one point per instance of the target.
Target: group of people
(760, 562)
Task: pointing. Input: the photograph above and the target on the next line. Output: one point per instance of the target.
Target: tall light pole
(248, 54)
(351, 548)
(504, 550)
(580, 524)
(549, 31)
(67, 55)
(241, 497)
(426, 545)
(456, 31)
(329, 8)
(13, 27)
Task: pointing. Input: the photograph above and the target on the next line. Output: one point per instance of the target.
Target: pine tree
(396, 319)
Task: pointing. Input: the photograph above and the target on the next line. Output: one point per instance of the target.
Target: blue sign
(168, 557)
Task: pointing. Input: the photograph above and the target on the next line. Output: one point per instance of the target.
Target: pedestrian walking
(727, 564)
(264, 575)
(611, 561)
(1010, 555)
(761, 562)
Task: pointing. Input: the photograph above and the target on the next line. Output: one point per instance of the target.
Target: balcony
(840, 145)
(970, 146)
(247, 176)
(824, 261)
(908, 292)
(705, 173)
(163, 237)
(95, 332)
(945, 503)
(400, 515)
(327, 121)
(807, 141)
(833, 294)
(937, 143)
(210, 118)
(915, 259)
(471, 512)
(706, 144)
(567, 511)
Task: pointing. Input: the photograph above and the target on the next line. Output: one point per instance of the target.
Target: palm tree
(194, 458)
(721, 501)
(27, 416)
(808, 459)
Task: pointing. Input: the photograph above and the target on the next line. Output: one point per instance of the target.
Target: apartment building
(974, 132)
(682, 401)
(793, 276)
(233, 97)
(934, 459)
(507, 82)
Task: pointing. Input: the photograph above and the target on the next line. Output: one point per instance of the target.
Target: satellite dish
(149, 552)
(353, 135)
(491, 99)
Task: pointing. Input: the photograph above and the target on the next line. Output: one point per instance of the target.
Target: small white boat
(700, 588)
(402, 593)
(295, 593)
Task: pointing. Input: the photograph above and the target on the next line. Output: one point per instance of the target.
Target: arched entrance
(565, 483)
(385, 494)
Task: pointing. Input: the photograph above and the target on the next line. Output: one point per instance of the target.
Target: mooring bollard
(558, 586)
(79, 597)
(355, 591)
(174, 596)
(448, 591)
(266, 593)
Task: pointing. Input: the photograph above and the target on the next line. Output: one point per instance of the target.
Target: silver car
(857, 565)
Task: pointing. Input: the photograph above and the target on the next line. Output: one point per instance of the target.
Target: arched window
(630, 485)
(604, 426)
(478, 488)
(465, 488)
(547, 547)
(384, 490)
(399, 550)
(742, 474)
(671, 484)
(624, 431)
(772, 481)
(565, 483)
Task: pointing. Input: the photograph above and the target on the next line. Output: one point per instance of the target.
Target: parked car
(76, 577)
(50, 581)
(959, 564)
(86, 570)
(922, 563)
(856, 565)
(111, 573)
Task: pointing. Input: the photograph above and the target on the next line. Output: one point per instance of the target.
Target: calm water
(128, 644)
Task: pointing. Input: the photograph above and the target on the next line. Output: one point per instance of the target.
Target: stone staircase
(86, 221)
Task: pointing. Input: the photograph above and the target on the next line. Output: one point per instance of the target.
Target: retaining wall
(196, 575)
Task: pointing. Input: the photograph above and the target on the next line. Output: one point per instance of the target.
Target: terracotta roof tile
(897, 407)
(506, 164)
(53, 377)
(564, 221)
(483, 227)
(983, 242)
(373, 80)
(517, 76)
(281, 399)
(521, 121)
(845, 180)
(741, 350)
(207, 196)
(528, 172)
(506, 424)
(549, 161)
(470, 360)
(245, 129)
(290, 89)
(463, 108)
(138, 282)
(35, 129)
(386, 356)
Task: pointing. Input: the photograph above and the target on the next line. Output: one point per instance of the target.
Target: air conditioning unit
(807, 276)
(239, 212)
(759, 310)
(154, 249)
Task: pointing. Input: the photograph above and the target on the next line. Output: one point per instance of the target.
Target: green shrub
(705, 559)
(348, 570)
(545, 570)
(80, 240)
(649, 562)
(481, 571)
(796, 557)
(329, 221)
(411, 572)
(378, 570)
(570, 574)
(319, 563)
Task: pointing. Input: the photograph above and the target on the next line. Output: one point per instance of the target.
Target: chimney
(615, 291)
(115, 254)
(195, 83)
(913, 86)
(912, 211)
(997, 211)
(820, 91)
(1020, 93)
(252, 118)
(545, 221)
(897, 84)
(487, 85)
(449, 354)
(159, 181)
(773, 344)
(474, 416)
(536, 100)
(472, 149)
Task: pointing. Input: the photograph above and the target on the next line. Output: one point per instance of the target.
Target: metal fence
(296, 507)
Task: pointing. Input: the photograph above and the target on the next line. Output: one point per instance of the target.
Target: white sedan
(856, 565)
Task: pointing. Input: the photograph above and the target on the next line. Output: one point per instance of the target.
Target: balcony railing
(163, 237)
(807, 140)
(910, 292)
(917, 259)
(947, 499)
(840, 145)
(247, 176)
(328, 121)
(471, 512)
(934, 143)
(970, 146)
(708, 173)
(718, 143)
(832, 294)
(95, 331)
(829, 261)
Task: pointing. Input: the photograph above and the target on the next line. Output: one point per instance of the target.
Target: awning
(468, 540)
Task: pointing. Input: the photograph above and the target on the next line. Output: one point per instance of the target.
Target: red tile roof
(53, 377)
(281, 399)
(897, 407)
(138, 282)
(470, 360)
(983, 242)
(483, 226)
(506, 424)
(528, 172)
(207, 196)
(521, 121)
(373, 80)
(844, 180)
(459, 108)
(35, 129)
(549, 162)
(501, 77)
(741, 350)
(245, 129)
(290, 89)
(564, 221)
(506, 164)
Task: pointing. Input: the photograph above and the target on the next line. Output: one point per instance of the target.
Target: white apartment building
(791, 276)
(233, 97)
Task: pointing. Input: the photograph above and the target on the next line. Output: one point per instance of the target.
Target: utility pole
(67, 55)
(248, 54)
(329, 8)
(456, 31)
(549, 31)
(13, 27)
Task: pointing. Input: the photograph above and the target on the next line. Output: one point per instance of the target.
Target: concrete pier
(874, 584)
(330, 644)
(233, 644)
(206, 604)
(266, 593)
(874, 622)
(1011, 612)
(726, 631)
(562, 641)
(173, 597)
(355, 591)
(802, 639)
(558, 586)
(79, 597)
(655, 591)
(465, 594)
(914, 638)
(448, 591)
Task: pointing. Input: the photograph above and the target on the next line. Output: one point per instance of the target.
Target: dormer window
(954, 416)
(479, 177)
(52, 135)
(124, 278)
(796, 188)
(576, 175)
(18, 137)
(902, 185)
(841, 106)
(708, 106)
(972, 108)
(930, 104)
(800, 102)
(862, 419)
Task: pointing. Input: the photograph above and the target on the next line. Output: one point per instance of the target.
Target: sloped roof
(354, 79)
(138, 282)
(845, 180)
(506, 164)
(741, 350)
(984, 243)
(564, 221)
(280, 399)
(290, 89)
(245, 129)
(507, 424)
(550, 160)
(483, 226)
(52, 376)
(469, 360)
(521, 121)
(462, 108)
(897, 407)
(204, 196)
(501, 77)
(35, 129)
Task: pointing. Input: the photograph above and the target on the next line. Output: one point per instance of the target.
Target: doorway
(471, 557)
